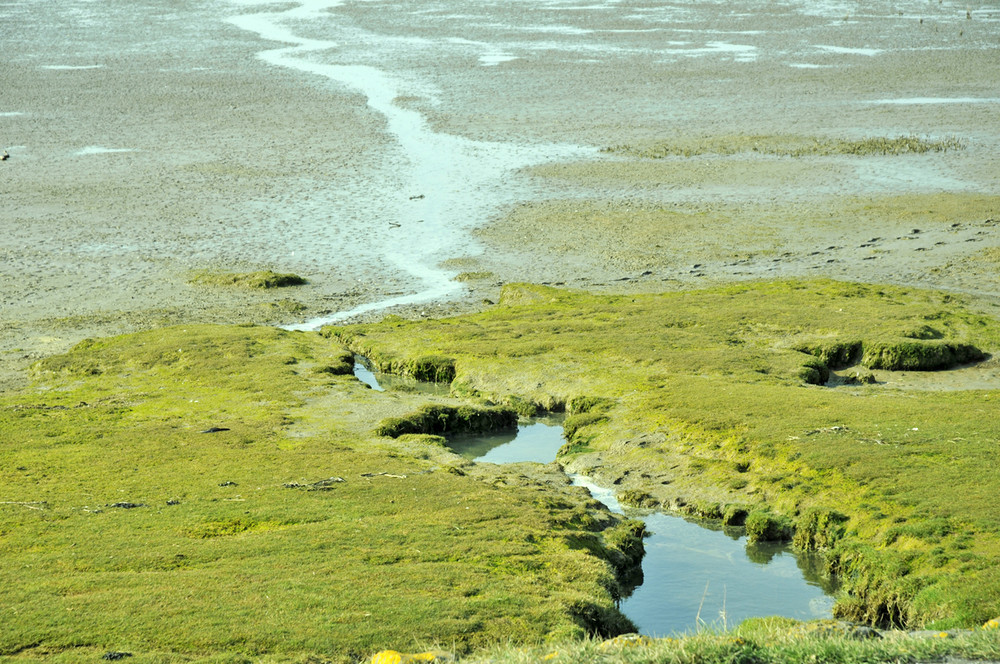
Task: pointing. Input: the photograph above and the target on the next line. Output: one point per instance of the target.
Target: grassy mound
(214, 494)
(706, 404)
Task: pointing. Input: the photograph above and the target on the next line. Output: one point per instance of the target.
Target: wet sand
(146, 144)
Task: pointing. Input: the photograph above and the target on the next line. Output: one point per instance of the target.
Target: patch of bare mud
(924, 240)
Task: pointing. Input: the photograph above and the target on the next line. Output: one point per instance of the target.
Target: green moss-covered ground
(713, 398)
(208, 493)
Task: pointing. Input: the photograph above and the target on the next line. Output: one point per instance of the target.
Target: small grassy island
(234, 494)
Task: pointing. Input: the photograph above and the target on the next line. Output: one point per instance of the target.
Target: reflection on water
(364, 373)
(537, 441)
(695, 575)
(367, 374)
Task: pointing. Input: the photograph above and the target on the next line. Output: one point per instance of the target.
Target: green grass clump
(260, 280)
(789, 146)
(203, 493)
(438, 419)
(474, 276)
(735, 514)
(765, 526)
(818, 529)
(637, 498)
(918, 355)
(432, 368)
(834, 354)
(704, 401)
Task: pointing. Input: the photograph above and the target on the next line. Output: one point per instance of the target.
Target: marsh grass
(158, 496)
(789, 146)
(704, 396)
(762, 641)
(177, 493)
(438, 419)
(474, 276)
(260, 280)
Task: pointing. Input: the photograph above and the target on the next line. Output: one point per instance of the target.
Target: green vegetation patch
(208, 493)
(786, 145)
(260, 280)
(474, 276)
(770, 640)
(711, 398)
(918, 355)
(439, 419)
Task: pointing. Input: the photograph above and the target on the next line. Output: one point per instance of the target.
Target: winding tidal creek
(695, 572)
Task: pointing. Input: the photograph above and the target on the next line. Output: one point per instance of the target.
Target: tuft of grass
(918, 355)
(439, 419)
(260, 280)
(474, 276)
(764, 526)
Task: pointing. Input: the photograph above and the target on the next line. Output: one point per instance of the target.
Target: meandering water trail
(441, 186)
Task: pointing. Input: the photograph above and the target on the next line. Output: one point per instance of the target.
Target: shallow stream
(696, 572)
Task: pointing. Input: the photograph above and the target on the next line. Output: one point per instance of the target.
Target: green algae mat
(207, 493)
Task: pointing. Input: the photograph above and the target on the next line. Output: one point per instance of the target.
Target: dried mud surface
(146, 144)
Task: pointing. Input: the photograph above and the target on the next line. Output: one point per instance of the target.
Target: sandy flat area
(147, 144)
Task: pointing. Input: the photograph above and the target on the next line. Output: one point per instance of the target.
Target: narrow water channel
(696, 573)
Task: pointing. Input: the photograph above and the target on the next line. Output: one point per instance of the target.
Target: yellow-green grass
(474, 276)
(764, 641)
(702, 399)
(128, 524)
